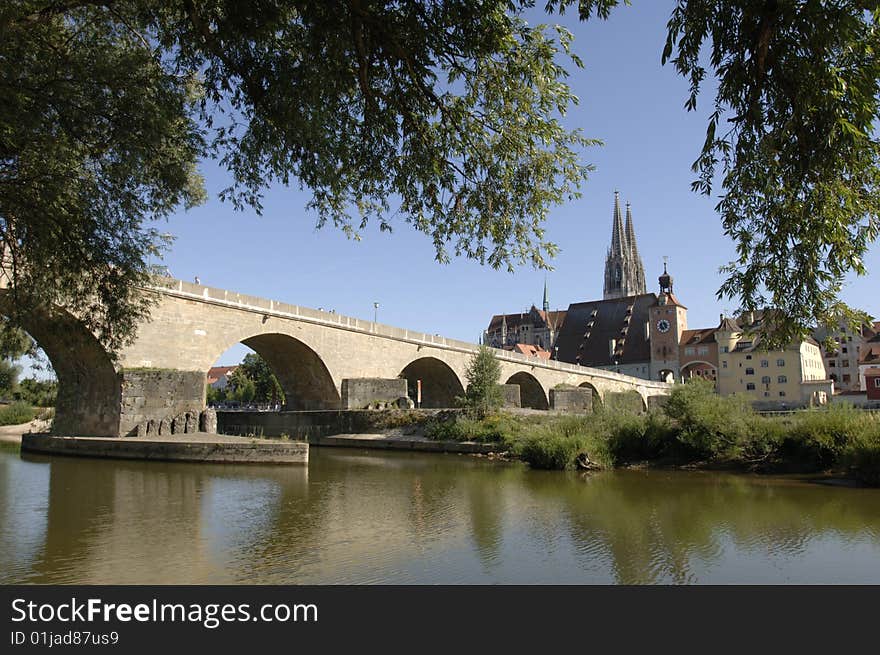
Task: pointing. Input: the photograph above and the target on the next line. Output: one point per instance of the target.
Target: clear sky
(626, 99)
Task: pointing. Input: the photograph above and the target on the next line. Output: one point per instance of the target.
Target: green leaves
(441, 115)
(798, 162)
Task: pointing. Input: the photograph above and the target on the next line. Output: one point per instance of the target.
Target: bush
(553, 451)
(16, 414)
(818, 438)
(710, 426)
(484, 394)
(39, 393)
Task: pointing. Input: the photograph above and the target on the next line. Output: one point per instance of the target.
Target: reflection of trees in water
(654, 524)
(395, 517)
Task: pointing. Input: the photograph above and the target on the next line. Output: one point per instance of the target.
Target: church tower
(624, 271)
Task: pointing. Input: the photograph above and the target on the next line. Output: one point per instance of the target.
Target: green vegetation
(251, 382)
(484, 394)
(39, 393)
(695, 425)
(16, 414)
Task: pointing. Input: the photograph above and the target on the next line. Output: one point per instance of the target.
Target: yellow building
(790, 377)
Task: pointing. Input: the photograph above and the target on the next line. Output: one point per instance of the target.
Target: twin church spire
(624, 270)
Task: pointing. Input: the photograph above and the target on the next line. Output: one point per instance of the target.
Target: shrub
(552, 451)
(819, 438)
(710, 426)
(16, 414)
(484, 394)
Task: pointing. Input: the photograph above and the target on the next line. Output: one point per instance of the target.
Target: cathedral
(624, 271)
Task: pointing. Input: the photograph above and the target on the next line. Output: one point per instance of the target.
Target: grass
(16, 414)
(695, 425)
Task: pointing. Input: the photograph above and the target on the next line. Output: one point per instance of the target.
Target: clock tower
(667, 321)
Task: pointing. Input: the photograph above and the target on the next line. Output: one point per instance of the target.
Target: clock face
(663, 325)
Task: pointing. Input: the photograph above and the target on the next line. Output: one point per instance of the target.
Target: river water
(376, 517)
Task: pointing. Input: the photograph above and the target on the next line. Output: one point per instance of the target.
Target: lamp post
(375, 311)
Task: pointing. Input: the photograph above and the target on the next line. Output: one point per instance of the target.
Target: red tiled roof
(700, 335)
(530, 350)
(217, 372)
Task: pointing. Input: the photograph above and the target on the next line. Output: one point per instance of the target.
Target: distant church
(616, 333)
(624, 271)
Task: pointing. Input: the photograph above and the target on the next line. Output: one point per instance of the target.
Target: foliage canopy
(441, 115)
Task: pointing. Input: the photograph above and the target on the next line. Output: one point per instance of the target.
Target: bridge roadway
(161, 375)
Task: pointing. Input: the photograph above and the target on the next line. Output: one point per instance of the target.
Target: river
(380, 517)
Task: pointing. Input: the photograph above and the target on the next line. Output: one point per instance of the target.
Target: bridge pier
(151, 394)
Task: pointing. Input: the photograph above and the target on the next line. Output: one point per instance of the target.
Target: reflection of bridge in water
(312, 353)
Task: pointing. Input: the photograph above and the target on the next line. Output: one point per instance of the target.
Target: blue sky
(626, 99)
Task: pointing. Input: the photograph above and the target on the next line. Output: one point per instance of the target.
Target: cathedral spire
(546, 299)
(636, 259)
(624, 271)
(619, 244)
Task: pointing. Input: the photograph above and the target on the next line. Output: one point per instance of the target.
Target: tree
(267, 389)
(483, 374)
(443, 114)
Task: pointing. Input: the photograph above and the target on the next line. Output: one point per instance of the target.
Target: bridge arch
(440, 384)
(597, 397)
(531, 393)
(89, 387)
(302, 374)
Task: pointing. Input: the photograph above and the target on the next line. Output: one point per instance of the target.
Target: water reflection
(359, 517)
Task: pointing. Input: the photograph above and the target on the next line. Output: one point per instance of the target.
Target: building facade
(844, 362)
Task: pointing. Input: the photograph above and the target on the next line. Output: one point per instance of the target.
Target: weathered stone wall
(304, 425)
(511, 395)
(359, 393)
(161, 395)
(571, 400)
(280, 452)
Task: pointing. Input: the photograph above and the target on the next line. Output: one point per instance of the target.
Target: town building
(218, 376)
(872, 382)
(794, 376)
(869, 354)
(844, 362)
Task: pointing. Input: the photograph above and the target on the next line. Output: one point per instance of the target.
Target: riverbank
(694, 428)
(13, 433)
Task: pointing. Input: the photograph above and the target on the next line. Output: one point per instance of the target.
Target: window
(725, 349)
(765, 379)
(723, 363)
(845, 363)
(782, 379)
(832, 363)
(764, 363)
(689, 351)
(703, 350)
(845, 351)
(766, 394)
(782, 394)
(750, 386)
(780, 362)
(877, 383)
(748, 356)
(750, 371)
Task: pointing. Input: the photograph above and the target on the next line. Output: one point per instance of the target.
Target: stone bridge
(162, 374)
